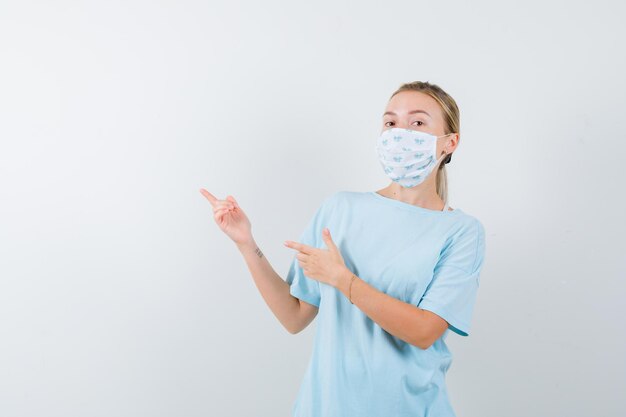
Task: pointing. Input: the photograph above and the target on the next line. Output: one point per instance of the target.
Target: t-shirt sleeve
(452, 292)
(301, 286)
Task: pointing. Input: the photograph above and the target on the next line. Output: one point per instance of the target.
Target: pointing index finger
(301, 247)
(212, 199)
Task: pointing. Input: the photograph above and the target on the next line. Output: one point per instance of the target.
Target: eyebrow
(411, 112)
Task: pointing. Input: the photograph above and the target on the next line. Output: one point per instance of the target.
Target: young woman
(400, 269)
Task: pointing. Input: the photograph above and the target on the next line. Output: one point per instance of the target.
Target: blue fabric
(431, 259)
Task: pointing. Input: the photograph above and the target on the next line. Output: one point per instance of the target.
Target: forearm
(273, 289)
(400, 319)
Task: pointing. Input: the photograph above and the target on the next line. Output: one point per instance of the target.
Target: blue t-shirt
(428, 258)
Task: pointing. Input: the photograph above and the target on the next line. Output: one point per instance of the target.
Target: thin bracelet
(350, 297)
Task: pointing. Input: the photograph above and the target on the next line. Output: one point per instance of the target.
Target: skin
(408, 322)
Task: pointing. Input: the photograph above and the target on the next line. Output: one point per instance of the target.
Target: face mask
(407, 156)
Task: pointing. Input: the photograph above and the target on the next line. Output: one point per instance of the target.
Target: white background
(119, 295)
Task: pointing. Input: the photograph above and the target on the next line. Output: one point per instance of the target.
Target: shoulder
(467, 232)
(466, 223)
(467, 241)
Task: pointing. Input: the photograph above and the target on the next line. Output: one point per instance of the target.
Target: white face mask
(407, 156)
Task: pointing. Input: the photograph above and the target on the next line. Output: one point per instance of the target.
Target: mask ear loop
(445, 155)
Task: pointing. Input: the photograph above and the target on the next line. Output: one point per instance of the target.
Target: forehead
(406, 101)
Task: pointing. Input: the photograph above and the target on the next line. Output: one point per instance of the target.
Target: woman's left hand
(324, 265)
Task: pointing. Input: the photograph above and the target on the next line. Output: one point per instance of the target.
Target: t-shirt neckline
(408, 206)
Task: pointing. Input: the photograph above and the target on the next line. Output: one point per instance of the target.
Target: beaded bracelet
(350, 296)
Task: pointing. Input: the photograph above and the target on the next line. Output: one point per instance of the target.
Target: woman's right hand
(230, 217)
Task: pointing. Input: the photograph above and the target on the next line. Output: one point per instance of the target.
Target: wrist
(246, 245)
(343, 283)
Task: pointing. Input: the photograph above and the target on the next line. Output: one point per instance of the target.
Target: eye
(419, 121)
(387, 124)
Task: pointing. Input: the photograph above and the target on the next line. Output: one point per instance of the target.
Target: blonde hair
(450, 112)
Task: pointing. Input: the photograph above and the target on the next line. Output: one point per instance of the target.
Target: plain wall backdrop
(120, 296)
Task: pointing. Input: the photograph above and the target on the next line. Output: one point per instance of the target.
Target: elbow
(422, 345)
(292, 329)
(425, 346)
(422, 342)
